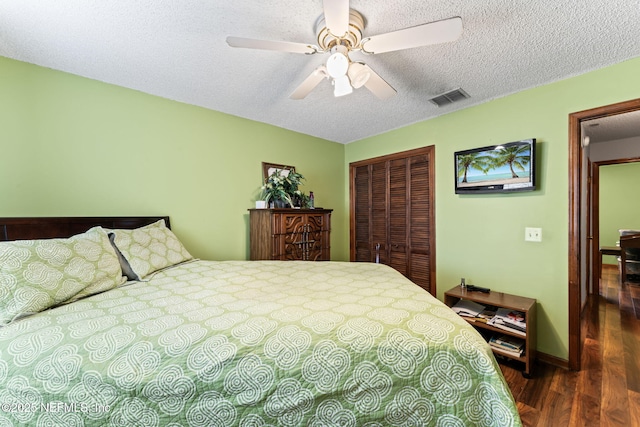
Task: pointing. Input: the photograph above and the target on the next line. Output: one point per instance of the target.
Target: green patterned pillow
(150, 248)
(39, 274)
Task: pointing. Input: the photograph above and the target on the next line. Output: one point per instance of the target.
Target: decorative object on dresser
(512, 316)
(280, 187)
(290, 234)
(270, 168)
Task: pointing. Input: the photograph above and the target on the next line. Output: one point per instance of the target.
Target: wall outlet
(533, 234)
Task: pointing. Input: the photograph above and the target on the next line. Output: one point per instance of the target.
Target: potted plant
(281, 189)
(302, 200)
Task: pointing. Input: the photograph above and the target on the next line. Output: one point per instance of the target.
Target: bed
(169, 340)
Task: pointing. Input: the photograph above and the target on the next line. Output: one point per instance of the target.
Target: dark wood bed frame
(57, 227)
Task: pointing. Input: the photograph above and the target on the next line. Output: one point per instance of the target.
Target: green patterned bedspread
(253, 343)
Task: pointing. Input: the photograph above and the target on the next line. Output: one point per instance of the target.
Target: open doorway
(614, 206)
(577, 201)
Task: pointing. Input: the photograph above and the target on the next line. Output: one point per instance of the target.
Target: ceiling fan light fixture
(358, 74)
(342, 86)
(337, 65)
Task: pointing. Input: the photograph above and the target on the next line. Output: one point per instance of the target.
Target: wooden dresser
(290, 234)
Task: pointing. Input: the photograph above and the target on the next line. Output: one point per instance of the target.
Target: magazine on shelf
(468, 308)
(510, 320)
(505, 327)
(487, 314)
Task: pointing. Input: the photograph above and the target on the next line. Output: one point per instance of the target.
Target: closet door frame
(430, 153)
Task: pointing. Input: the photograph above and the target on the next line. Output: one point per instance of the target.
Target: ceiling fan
(339, 32)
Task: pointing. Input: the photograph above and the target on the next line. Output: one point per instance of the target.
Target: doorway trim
(575, 200)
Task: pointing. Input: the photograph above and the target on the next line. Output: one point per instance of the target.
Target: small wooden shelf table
(502, 300)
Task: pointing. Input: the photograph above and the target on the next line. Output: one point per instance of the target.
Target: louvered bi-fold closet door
(360, 201)
(421, 254)
(392, 213)
(371, 225)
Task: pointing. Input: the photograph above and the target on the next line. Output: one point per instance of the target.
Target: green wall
(619, 203)
(71, 146)
(481, 237)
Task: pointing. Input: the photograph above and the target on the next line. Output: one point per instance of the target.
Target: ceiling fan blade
(336, 16)
(377, 85)
(443, 31)
(271, 45)
(310, 83)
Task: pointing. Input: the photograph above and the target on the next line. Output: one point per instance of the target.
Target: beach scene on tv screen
(509, 166)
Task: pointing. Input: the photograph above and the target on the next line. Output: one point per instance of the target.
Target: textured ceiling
(611, 128)
(177, 50)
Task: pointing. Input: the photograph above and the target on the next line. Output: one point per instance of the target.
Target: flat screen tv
(502, 168)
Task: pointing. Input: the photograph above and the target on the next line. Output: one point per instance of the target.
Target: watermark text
(63, 407)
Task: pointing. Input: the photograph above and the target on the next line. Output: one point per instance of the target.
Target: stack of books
(510, 345)
(510, 320)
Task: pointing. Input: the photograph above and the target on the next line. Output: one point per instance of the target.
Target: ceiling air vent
(450, 97)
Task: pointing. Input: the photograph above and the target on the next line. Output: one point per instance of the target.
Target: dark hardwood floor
(606, 392)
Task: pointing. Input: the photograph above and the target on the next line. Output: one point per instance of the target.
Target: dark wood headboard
(55, 227)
